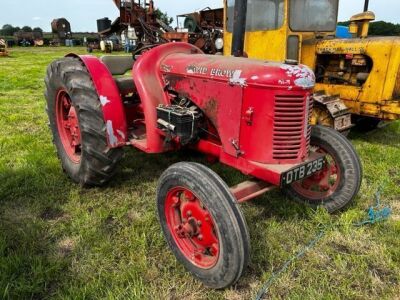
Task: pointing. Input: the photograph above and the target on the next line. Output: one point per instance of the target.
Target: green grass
(58, 240)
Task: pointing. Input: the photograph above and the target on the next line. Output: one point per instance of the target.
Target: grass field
(58, 240)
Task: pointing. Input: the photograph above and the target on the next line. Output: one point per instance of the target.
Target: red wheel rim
(68, 126)
(323, 183)
(192, 227)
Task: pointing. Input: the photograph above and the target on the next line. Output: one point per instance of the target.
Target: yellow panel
(378, 49)
(267, 45)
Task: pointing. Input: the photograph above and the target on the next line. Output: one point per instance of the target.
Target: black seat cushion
(118, 65)
(125, 85)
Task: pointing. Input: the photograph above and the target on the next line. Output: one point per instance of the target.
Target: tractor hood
(239, 71)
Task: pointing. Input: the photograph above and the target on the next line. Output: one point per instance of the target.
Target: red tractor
(247, 114)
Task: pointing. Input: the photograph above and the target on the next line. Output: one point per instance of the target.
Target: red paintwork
(257, 111)
(192, 227)
(150, 87)
(258, 88)
(109, 97)
(68, 126)
(250, 189)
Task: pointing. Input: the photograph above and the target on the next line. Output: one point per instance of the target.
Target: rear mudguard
(150, 87)
(109, 99)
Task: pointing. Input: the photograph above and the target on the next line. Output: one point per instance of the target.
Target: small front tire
(203, 224)
(339, 182)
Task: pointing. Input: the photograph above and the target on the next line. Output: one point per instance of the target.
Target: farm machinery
(359, 76)
(232, 109)
(3, 48)
(140, 21)
(204, 29)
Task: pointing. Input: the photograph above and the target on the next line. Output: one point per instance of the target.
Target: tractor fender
(150, 87)
(109, 98)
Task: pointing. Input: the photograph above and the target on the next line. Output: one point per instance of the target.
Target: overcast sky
(83, 14)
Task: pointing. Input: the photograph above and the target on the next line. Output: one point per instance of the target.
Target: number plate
(302, 172)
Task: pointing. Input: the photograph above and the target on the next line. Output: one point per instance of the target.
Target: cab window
(313, 15)
(261, 14)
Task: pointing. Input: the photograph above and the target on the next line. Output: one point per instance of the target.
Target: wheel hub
(68, 126)
(321, 184)
(192, 227)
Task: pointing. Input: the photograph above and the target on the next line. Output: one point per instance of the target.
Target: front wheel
(203, 224)
(338, 183)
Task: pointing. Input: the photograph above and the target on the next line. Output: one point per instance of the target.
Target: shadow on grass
(385, 136)
(36, 236)
(30, 260)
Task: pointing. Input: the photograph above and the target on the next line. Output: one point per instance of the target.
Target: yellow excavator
(356, 76)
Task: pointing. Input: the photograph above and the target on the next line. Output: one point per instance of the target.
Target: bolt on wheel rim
(68, 126)
(192, 227)
(323, 183)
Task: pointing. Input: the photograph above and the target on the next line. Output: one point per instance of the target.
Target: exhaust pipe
(239, 27)
(366, 5)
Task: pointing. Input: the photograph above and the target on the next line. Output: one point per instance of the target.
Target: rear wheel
(77, 124)
(338, 183)
(203, 224)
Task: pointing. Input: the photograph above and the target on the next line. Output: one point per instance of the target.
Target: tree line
(379, 28)
(9, 30)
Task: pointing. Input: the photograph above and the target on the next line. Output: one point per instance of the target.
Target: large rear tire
(77, 124)
(203, 224)
(339, 182)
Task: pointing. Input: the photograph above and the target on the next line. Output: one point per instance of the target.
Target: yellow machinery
(3, 48)
(359, 75)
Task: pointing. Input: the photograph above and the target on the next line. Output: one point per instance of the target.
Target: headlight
(219, 43)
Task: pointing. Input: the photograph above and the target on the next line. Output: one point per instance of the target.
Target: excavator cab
(275, 29)
(357, 76)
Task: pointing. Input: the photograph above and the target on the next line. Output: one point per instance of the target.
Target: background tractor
(360, 75)
(235, 110)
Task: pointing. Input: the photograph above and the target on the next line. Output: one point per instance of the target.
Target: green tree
(27, 29)
(384, 29)
(380, 28)
(7, 29)
(163, 16)
(38, 29)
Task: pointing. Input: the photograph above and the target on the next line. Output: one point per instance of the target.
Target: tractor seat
(118, 65)
(125, 85)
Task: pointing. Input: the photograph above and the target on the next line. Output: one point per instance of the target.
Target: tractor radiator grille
(289, 126)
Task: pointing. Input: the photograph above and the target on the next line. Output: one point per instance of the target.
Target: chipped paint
(254, 77)
(304, 77)
(236, 80)
(196, 70)
(166, 68)
(122, 135)
(104, 100)
(284, 82)
(110, 132)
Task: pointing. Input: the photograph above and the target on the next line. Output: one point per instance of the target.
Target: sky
(83, 14)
